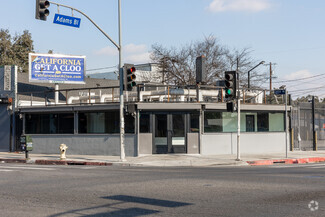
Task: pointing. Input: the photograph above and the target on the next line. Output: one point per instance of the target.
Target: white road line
(299, 165)
(26, 168)
(88, 168)
(5, 170)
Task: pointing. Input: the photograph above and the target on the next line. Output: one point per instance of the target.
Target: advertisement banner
(54, 68)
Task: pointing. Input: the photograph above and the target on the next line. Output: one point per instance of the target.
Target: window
(263, 122)
(276, 122)
(213, 122)
(194, 122)
(92, 122)
(61, 123)
(104, 122)
(129, 124)
(216, 121)
(144, 123)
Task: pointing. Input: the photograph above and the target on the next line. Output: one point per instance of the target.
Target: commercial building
(158, 119)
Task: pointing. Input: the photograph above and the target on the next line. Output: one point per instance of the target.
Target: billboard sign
(53, 68)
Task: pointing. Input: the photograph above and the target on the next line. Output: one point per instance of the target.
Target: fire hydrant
(63, 150)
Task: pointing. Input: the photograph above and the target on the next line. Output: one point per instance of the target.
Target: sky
(290, 34)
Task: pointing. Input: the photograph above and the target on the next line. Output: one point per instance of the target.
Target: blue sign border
(53, 68)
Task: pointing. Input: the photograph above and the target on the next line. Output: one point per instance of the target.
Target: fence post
(313, 122)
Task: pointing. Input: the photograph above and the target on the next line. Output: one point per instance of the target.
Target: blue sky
(289, 33)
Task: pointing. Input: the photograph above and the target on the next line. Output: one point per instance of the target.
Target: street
(280, 190)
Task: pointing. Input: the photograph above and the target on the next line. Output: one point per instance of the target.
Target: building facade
(159, 119)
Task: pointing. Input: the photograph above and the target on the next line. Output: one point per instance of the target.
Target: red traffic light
(131, 70)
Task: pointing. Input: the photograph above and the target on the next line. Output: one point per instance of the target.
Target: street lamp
(248, 85)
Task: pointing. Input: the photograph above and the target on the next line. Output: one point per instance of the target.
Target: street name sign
(67, 20)
(279, 92)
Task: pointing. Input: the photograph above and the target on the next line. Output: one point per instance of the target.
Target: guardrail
(144, 93)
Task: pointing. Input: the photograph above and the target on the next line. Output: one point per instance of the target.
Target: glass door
(161, 134)
(178, 142)
(169, 131)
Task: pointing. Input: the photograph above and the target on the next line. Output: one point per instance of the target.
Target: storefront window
(104, 122)
(194, 122)
(144, 123)
(62, 123)
(263, 122)
(276, 121)
(213, 122)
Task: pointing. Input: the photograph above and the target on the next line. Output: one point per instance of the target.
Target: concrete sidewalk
(175, 160)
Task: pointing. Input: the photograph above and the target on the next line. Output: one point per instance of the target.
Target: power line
(299, 79)
(109, 67)
(312, 88)
(291, 50)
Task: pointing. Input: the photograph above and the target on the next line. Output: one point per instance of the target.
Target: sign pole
(119, 47)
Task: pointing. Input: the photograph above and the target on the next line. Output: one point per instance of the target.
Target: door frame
(170, 148)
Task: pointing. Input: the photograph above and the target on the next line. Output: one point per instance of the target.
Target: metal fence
(143, 93)
(308, 133)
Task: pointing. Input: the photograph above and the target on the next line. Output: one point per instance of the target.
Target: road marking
(26, 168)
(313, 166)
(88, 168)
(5, 170)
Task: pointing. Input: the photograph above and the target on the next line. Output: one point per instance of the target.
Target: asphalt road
(34, 190)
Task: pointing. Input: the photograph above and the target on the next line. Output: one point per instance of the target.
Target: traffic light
(230, 106)
(129, 77)
(230, 84)
(41, 9)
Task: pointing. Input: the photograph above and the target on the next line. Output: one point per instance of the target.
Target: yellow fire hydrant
(63, 150)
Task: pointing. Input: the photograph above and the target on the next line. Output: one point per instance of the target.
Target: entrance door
(178, 144)
(250, 123)
(169, 133)
(161, 134)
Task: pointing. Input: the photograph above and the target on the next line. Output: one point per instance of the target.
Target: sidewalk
(175, 160)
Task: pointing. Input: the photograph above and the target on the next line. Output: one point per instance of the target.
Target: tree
(307, 98)
(15, 50)
(6, 52)
(178, 65)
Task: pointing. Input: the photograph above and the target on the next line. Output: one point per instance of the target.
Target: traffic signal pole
(238, 112)
(122, 123)
(238, 120)
(119, 47)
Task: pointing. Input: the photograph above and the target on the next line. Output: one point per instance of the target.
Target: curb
(69, 162)
(5, 160)
(55, 162)
(287, 161)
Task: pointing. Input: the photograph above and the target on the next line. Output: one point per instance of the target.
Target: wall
(84, 144)
(145, 144)
(4, 128)
(251, 143)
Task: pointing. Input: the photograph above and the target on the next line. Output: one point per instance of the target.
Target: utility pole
(270, 82)
(270, 77)
(271, 73)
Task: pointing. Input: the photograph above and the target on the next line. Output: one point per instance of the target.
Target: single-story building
(158, 119)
